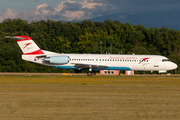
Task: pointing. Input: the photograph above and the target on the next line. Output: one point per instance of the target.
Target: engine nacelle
(57, 59)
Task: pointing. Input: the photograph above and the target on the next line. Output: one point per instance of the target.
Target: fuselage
(91, 62)
(111, 62)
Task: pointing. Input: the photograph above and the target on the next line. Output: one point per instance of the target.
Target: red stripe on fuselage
(35, 52)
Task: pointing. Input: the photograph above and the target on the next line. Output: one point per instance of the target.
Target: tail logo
(27, 44)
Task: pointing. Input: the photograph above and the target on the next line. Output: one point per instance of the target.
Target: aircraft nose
(173, 66)
(170, 66)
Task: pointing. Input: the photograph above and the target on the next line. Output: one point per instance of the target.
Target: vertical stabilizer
(27, 45)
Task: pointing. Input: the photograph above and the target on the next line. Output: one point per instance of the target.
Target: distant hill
(169, 20)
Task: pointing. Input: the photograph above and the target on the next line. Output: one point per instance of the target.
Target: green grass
(96, 97)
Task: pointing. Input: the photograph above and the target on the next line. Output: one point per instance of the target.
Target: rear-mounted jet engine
(57, 59)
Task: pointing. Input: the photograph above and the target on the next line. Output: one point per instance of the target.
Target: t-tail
(31, 52)
(27, 45)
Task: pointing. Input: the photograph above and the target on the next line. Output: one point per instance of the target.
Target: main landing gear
(91, 73)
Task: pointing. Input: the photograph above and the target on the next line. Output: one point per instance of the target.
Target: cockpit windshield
(165, 60)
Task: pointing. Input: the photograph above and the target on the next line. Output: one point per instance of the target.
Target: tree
(84, 37)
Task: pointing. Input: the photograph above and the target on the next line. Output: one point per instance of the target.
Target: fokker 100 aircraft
(92, 62)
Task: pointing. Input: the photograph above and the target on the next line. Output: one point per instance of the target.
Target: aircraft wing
(81, 66)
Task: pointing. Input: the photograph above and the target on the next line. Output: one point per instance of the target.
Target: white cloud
(41, 8)
(90, 5)
(9, 13)
(66, 10)
(73, 10)
(13, 14)
(73, 15)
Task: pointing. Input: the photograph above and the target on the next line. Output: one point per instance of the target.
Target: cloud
(13, 14)
(73, 10)
(68, 10)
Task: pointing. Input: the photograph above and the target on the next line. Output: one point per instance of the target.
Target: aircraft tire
(93, 73)
(89, 73)
(159, 74)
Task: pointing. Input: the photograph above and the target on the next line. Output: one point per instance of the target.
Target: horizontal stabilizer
(15, 38)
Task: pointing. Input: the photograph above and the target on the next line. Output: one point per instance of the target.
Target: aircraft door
(156, 63)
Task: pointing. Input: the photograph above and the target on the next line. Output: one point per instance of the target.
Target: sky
(35, 10)
(27, 5)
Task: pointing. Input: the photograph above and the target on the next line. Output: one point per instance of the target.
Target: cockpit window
(165, 60)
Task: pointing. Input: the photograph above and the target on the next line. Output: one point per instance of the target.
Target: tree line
(86, 36)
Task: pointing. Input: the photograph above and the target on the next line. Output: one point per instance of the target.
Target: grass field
(82, 97)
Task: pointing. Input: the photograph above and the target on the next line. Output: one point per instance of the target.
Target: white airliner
(92, 62)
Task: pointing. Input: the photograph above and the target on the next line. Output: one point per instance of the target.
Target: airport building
(115, 72)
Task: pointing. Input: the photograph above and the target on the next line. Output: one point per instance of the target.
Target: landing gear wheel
(93, 73)
(158, 74)
(89, 73)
